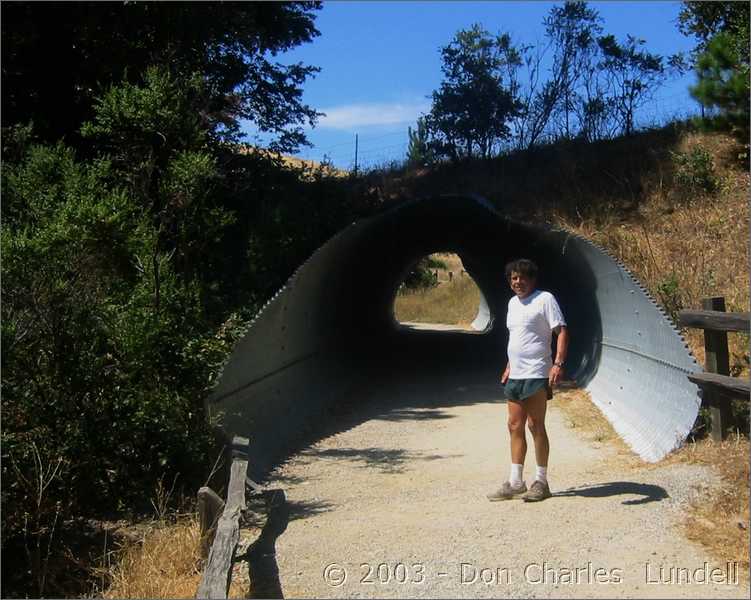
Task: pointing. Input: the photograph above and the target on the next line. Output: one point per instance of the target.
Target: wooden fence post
(716, 360)
(210, 507)
(217, 574)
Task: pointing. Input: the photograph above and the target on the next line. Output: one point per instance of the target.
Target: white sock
(516, 475)
(542, 474)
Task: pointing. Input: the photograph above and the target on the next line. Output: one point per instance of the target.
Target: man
(533, 316)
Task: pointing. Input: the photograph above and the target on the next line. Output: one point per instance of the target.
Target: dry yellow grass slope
(306, 168)
(453, 301)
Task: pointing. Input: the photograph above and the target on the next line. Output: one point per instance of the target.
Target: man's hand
(556, 374)
(505, 374)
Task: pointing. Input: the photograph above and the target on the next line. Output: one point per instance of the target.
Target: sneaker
(506, 492)
(537, 491)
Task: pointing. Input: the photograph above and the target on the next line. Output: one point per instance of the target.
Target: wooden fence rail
(220, 525)
(716, 383)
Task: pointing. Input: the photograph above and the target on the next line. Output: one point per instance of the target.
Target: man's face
(521, 285)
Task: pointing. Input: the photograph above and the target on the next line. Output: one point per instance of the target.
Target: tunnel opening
(332, 328)
(437, 293)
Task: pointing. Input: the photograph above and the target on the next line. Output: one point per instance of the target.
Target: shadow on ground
(386, 460)
(261, 555)
(647, 491)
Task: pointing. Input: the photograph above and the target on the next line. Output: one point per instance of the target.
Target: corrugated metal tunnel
(332, 327)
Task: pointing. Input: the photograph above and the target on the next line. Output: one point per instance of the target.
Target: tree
(419, 152)
(721, 60)
(704, 20)
(128, 245)
(633, 75)
(471, 111)
(58, 57)
(572, 29)
(723, 83)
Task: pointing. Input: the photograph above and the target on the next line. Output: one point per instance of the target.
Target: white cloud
(350, 116)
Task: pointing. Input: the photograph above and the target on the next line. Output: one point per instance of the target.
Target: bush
(671, 295)
(107, 353)
(127, 277)
(434, 263)
(695, 171)
(421, 276)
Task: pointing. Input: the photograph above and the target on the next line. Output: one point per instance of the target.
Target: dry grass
(164, 563)
(452, 302)
(306, 168)
(720, 520)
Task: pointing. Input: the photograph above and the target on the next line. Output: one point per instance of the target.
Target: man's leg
(536, 406)
(514, 487)
(517, 416)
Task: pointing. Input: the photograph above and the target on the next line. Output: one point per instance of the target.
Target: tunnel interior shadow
(349, 314)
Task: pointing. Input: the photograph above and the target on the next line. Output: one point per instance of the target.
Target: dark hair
(523, 266)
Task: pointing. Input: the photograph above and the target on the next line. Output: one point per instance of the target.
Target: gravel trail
(390, 502)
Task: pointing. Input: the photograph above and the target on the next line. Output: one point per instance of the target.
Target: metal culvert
(331, 327)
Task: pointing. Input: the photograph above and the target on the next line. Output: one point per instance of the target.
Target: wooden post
(217, 574)
(716, 360)
(210, 506)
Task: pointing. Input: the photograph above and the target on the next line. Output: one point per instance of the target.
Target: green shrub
(695, 171)
(671, 295)
(107, 352)
(435, 263)
(421, 276)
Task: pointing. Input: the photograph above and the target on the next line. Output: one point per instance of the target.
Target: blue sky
(380, 61)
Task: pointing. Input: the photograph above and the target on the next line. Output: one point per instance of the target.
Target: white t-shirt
(530, 322)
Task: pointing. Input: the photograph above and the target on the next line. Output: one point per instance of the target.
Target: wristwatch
(558, 364)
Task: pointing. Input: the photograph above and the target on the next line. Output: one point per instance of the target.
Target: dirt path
(395, 499)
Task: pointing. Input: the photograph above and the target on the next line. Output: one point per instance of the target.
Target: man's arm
(506, 372)
(561, 351)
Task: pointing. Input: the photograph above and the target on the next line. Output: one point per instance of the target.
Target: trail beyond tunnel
(332, 328)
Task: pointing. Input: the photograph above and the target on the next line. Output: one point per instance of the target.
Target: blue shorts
(521, 389)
